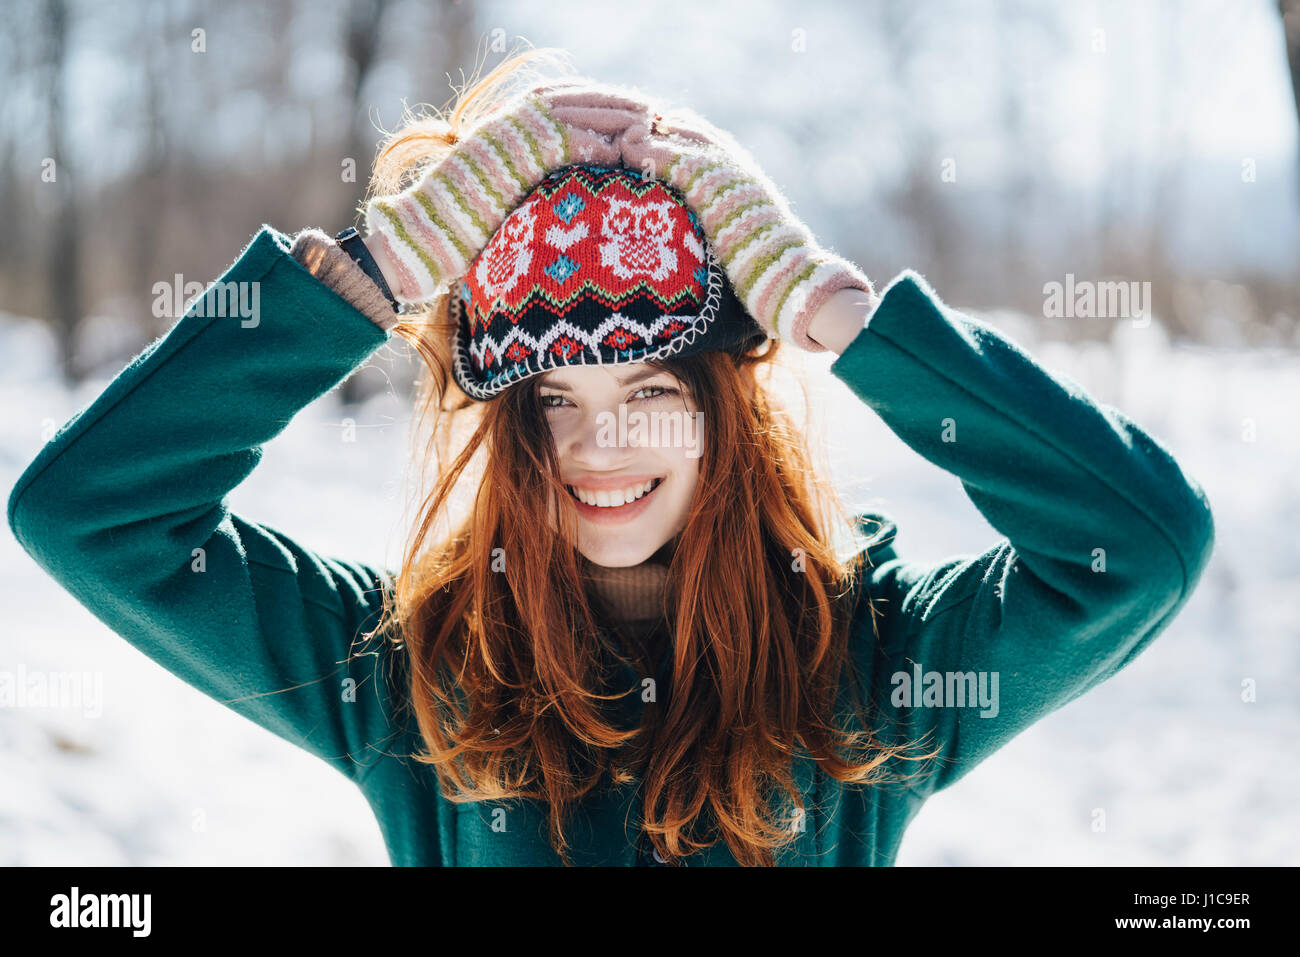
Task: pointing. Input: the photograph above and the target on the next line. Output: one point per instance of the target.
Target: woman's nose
(600, 443)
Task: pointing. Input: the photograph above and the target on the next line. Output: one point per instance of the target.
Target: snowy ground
(1185, 771)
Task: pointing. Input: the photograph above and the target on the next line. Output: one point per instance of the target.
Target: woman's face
(629, 440)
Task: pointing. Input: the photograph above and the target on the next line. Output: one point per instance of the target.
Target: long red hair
(512, 679)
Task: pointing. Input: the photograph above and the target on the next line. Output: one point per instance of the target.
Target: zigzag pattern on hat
(597, 266)
(564, 347)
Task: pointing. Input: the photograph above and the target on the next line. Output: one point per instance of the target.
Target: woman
(633, 643)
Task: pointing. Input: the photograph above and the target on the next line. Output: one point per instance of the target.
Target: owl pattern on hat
(596, 266)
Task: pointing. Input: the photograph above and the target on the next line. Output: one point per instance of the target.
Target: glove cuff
(824, 278)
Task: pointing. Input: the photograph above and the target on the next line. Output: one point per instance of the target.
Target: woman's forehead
(600, 376)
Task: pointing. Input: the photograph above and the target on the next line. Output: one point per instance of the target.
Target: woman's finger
(600, 96)
(599, 149)
(598, 119)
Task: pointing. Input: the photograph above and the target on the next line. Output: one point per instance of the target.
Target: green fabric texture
(115, 505)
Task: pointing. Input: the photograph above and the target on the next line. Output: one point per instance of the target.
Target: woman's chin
(616, 554)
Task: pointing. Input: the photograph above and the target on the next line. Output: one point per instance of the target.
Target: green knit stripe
(435, 217)
(459, 199)
(395, 221)
(530, 144)
(758, 235)
(740, 242)
(506, 163)
(543, 115)
(803, 276)
(706, 167)
(721, 191)
(763, 262)
(485, 181)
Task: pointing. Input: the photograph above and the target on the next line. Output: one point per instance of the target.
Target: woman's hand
(776, 267)
(428, 234)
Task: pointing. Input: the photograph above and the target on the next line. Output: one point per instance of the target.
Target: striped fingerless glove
(774, 263)
(433, 230)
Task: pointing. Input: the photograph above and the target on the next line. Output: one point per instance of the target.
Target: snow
(1179, 768)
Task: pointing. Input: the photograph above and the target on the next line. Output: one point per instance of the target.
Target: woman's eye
(656, 391)
(558, 403)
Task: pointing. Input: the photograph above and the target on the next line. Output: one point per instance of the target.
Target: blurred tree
(361, 44)
(1290, 10)
(63, 254)
(453, 23)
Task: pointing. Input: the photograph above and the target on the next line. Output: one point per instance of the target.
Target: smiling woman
(630, 498)
(620, 652)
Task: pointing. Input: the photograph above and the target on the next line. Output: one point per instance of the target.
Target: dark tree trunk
(63, 257)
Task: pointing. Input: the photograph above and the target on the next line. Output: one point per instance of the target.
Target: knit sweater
(1104, 538)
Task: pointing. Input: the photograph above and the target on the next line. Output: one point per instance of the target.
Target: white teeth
(614, 497)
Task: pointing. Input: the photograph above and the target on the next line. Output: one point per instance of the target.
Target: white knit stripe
(778, 277)
(466, 230)
(546, 131)
(426, 284)
(431, 238)
(711, 186)
(725, 202)
(796, 301)
(493, 166)
(378, 222)
(509, 136)
(730, 237)
(747, 259)
(461, 173)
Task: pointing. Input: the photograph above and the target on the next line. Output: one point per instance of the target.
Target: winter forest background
(992, 146)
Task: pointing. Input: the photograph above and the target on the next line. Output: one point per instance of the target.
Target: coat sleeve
(1105, 535)
(126, 508)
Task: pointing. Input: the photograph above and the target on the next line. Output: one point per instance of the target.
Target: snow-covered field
(1185, 771)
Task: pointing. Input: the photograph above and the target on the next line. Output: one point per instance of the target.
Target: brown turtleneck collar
(635, 593)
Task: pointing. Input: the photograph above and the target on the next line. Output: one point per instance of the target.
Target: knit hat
(596, 266)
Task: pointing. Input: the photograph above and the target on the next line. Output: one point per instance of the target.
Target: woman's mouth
(614, 506)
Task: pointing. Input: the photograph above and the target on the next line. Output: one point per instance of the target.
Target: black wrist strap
(351, 243)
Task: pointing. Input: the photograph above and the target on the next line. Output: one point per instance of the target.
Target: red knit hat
(596, 266)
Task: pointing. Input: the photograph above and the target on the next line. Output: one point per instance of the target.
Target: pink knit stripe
(728, 201)
(459, 174)
(406, 277)
(732, 237)
(712, 184)
(494, 170)
(516, 145)
(549, 139)
(767, 291)
(435, 243)
(470, 234)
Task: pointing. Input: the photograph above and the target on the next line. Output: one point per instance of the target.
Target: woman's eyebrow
(635, 377)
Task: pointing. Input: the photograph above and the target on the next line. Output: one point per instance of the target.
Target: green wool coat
(1105, 538)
